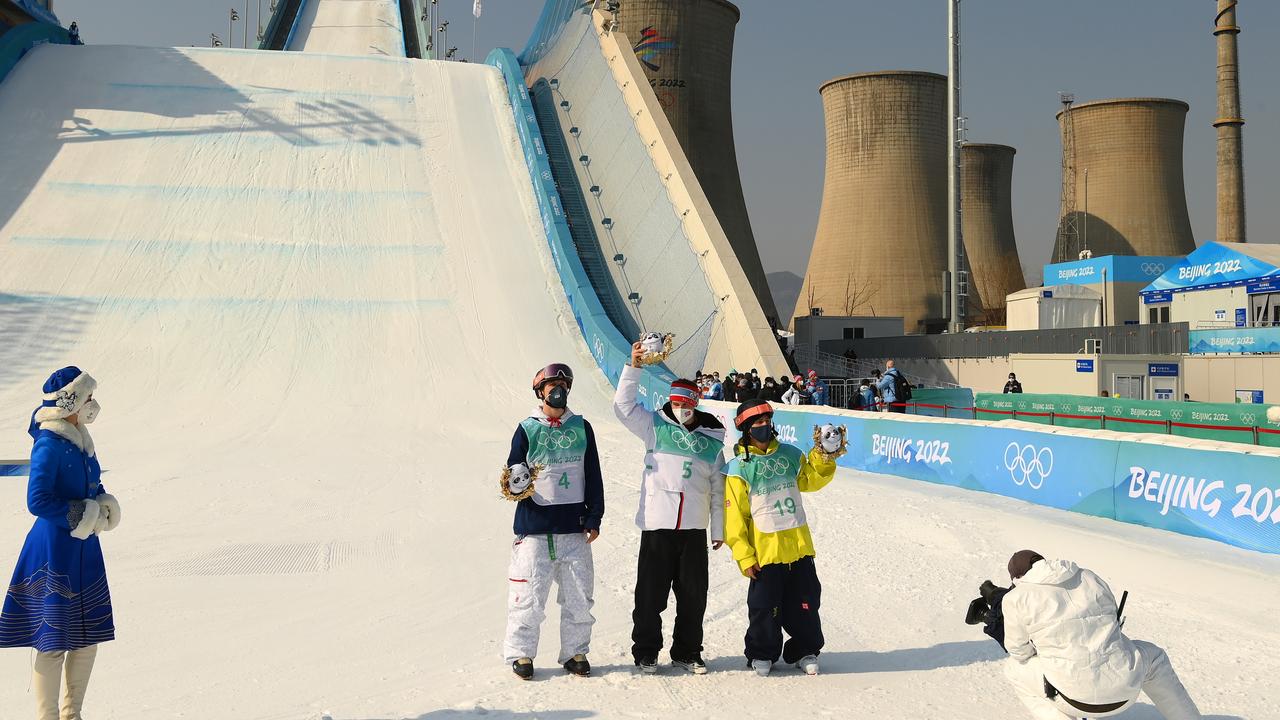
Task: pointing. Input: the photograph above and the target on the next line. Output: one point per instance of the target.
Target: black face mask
(762, 433)
(557, 398)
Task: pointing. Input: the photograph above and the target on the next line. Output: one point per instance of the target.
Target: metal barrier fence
(1156, 339)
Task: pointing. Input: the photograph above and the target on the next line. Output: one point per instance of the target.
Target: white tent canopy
(1060, 306)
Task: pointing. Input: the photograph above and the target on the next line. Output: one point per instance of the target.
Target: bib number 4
(564, 481)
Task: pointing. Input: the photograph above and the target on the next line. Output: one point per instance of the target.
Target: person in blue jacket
(557, 518)
(58, 602)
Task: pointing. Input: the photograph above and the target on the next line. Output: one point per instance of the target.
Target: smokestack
(1230, 127)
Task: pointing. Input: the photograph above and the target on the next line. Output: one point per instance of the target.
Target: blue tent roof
(1217, 264)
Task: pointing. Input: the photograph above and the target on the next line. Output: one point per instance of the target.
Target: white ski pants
(1160, 683)
(46, 677)
(537, 560)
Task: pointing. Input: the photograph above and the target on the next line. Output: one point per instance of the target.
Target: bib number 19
(785, 507)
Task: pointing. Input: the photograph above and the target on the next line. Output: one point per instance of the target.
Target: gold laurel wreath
(504, 483)
(844, 442)
(653, 358)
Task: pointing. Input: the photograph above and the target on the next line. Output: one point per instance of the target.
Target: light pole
(444, 34)
(231, 27)
(955, 241)
(245, 43)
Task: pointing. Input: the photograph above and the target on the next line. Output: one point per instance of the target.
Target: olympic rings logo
(561, 439)
(690, 441)
(771, 467)
(1027, 465)
(1151, 268)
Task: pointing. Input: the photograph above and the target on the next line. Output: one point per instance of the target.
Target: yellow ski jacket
(751, 546)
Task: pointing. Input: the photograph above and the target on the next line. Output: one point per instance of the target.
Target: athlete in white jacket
(1067, 654)
(681, 496)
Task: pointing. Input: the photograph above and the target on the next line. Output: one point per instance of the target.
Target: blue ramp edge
(18, 41)
(609, 348)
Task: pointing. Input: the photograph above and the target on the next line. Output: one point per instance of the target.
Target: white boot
(762, 667)
(46, 680)
(79, 665)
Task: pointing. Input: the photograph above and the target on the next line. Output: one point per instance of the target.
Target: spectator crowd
(872, 394)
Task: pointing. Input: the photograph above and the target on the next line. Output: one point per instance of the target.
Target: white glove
(520, 478)
(88, 520)
(104, 517)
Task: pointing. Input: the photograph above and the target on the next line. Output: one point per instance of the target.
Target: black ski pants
(670, 560)
(784, 597)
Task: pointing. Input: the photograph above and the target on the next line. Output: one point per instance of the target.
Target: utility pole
(955, 121)
(1067, 246)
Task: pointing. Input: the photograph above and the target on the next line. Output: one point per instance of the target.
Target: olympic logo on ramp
(689, 441)
(562, 439)
(1028, 465)
(1151, 268)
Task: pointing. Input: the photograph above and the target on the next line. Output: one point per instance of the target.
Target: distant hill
(785, 288)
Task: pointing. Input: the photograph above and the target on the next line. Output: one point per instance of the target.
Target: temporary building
(1060, 306)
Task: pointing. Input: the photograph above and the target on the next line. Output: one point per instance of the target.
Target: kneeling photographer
(1067, 655)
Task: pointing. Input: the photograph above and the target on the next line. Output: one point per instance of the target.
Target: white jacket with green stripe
(682, 487)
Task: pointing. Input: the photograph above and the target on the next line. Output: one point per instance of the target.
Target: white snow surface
(313, 290)
(350, 27)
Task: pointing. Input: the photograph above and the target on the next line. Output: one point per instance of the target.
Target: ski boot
(762, 667)
(809, 664)
(648, 666)
(523, 668)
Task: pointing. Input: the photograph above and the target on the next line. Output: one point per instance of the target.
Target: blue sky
(1018, 55)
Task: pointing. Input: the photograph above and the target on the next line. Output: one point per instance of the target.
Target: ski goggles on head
(748, 416)
(554, 371)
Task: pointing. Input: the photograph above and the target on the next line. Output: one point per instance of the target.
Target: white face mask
(90, 411)
(683, 414)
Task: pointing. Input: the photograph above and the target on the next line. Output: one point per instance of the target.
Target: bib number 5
(688, 469)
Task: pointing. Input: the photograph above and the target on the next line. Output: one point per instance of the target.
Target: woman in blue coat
(58, 602)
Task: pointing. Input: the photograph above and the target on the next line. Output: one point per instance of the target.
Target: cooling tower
(881, 244)
(986, 183)
(686, 48)
(1129, 194)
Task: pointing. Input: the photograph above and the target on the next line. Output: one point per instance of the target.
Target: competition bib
(562, 450)
(775, 492)
(679, 458)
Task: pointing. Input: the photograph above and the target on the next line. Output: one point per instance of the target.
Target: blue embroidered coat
(58, 599)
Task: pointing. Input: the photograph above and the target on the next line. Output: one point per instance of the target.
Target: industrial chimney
(686, 49)
(881, 243)
(986, 182)
(1230, 127)
(1126, 170)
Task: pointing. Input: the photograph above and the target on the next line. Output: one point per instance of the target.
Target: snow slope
(313, 290)
(350, 27)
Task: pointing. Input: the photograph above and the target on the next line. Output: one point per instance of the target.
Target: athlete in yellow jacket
(765, 526)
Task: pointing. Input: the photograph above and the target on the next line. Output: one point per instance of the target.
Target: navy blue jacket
(535, 519)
